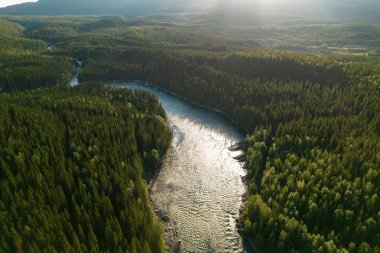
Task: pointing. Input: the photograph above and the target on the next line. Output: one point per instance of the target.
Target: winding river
(198, 189)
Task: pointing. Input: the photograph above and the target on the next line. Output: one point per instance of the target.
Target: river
(199, 187)
(74, 80)
(78, 64)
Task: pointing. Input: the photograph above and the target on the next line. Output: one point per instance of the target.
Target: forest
(314, 146)
(24, 63)
(72, 166)
(312, 124)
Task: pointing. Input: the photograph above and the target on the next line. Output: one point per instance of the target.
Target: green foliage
(71, 170)
(24, 63)
(10, 29)
(313, 154)
(29, 70)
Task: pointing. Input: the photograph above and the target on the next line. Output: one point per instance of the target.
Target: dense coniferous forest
(312, 124)
(25, 64)
(314, 152)
(72, 162)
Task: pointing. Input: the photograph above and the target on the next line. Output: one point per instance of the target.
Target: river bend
(199, 186)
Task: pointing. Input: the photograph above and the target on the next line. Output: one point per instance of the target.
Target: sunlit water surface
(74, 80)
(199, 185)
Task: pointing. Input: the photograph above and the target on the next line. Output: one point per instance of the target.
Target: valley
(80, 165)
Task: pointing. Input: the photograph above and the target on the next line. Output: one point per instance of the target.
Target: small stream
(74, 80)
(199, 187)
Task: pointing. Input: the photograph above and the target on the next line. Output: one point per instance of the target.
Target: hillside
(312, 122)
(72, 164)
(69, 180)
(346, 10)
(87, 7)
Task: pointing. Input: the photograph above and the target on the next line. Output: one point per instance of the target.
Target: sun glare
(6, 3)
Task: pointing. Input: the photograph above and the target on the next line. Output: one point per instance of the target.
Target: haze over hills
(349, 9)
(89, 7)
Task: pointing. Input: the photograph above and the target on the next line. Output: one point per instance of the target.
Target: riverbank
(171, 233)
(170, 229)
(213, 110)
(248, 242)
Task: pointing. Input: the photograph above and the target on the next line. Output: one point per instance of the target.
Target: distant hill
(342, 9)
(89, 7)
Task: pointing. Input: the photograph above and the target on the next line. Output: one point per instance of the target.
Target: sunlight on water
(199, 185)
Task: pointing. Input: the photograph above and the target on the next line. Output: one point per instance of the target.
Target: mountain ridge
(365, 10)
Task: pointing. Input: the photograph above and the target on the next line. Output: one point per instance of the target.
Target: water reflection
(199, 185)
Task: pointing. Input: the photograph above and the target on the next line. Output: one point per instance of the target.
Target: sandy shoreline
(169, 227)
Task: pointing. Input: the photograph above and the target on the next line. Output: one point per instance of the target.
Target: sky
(4, 3)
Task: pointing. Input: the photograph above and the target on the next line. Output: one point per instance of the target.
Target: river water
(74, 80)
(199, 185)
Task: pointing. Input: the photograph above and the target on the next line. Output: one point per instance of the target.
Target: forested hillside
(313, 125)
(314, 148)
(26, 64)
(340, 9)
(90, 7)
(71, 174)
